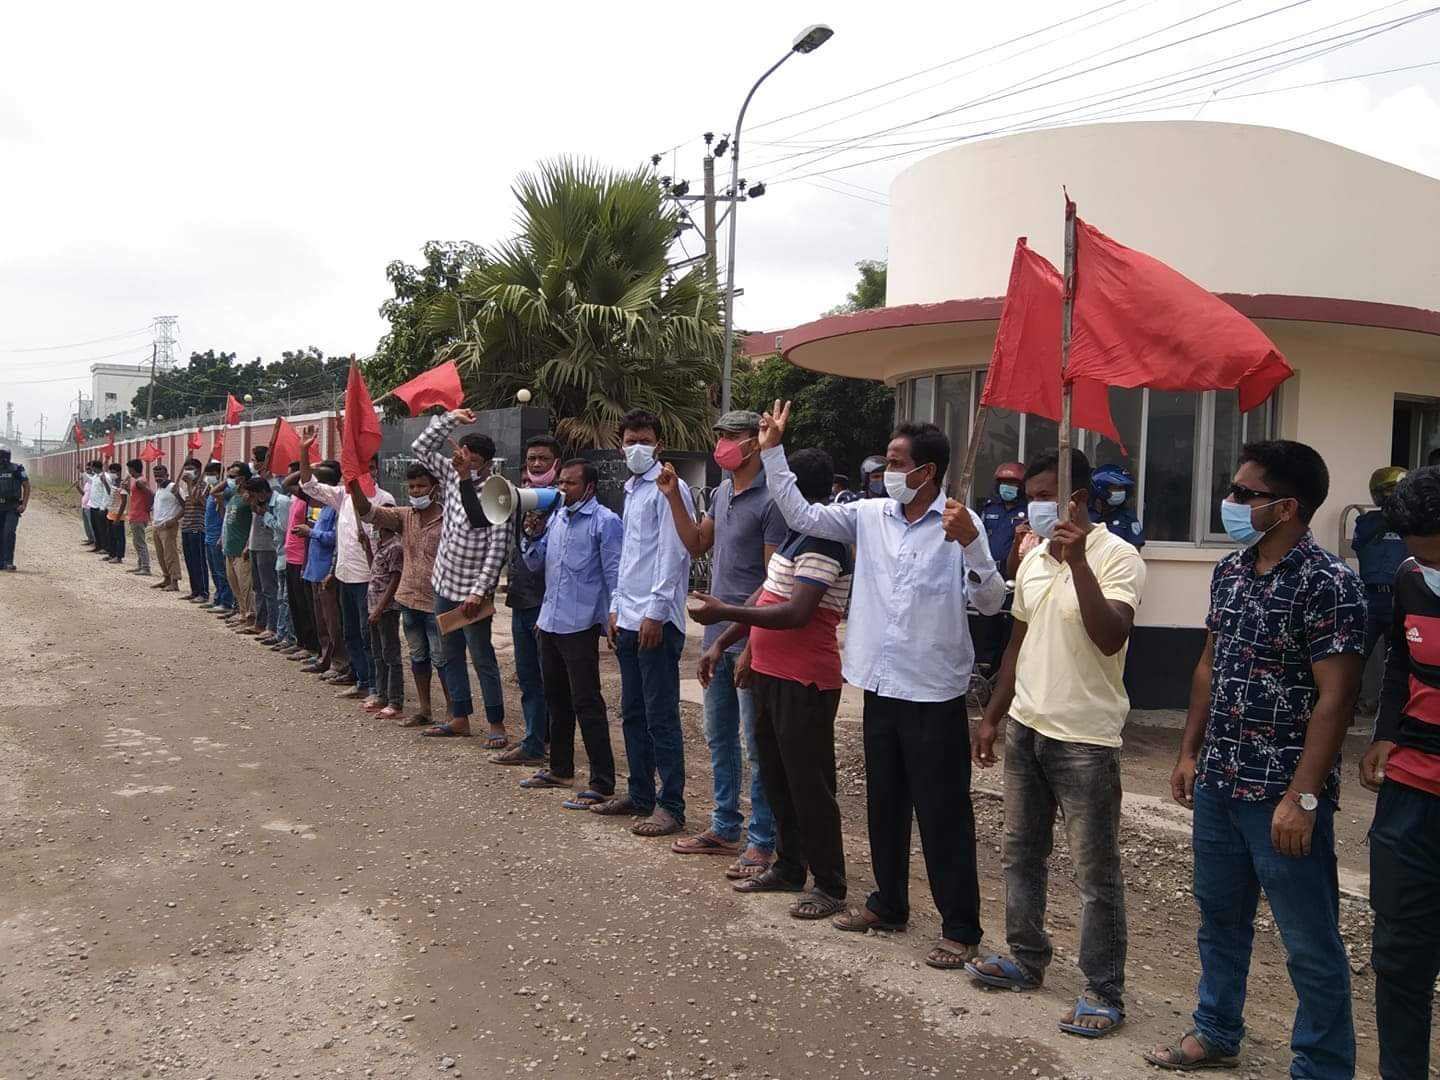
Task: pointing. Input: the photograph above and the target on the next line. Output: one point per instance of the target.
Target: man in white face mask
(908, 647)
(647, 632)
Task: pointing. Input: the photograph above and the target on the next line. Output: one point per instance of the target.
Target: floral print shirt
(1270, 629)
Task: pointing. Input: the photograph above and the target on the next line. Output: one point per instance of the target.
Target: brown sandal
(816, 905)
(766, 881)
(857, 922)
(948, 956)
(659, 823)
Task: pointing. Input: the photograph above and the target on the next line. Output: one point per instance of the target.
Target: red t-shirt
(138, 511)
(808, 655)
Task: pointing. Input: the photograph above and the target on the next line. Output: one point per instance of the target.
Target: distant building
(1326, 249)
(113, 386)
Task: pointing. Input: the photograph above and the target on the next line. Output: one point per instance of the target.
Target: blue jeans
(215, 556)
(355, 619)
(9, 519)
(427, 644)
(283, 626)
(192, 542)
(650, 718)
(1234, 860)
(527, 674)
(476, 639)
(727, 710)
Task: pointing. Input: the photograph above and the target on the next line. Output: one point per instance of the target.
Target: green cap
(739, 420)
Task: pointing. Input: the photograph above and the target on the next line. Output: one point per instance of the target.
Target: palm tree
(582, 309)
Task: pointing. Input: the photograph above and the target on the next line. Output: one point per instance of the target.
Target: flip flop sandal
(856, 922)
(516, 756)
(585, 800)
(746, 867)
(1083, 1008)
(768, 881)
(545, 780)
(387, 713)
(1012, 977)
(815, 905)
(495, 742)
(656, 825)
(1180, 1063)
(417, 721)
(705, 844)
(946, 958)
(444, 731)
(618, 806)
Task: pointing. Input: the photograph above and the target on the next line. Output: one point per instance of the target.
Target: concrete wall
(1238, 209)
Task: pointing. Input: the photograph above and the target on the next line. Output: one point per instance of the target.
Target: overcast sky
(252, 169)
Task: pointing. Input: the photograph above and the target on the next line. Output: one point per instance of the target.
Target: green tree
(851, 418)
(582, 309)
(410, 345)
(201, 386)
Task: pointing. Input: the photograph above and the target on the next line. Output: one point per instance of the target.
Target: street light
(810, 39)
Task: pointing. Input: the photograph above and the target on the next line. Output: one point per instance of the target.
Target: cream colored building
(1334, 254)
(113, 386)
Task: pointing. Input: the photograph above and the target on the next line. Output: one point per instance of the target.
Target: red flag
(285, 445)
(151, 452)
(233, 409)
(1140, 323)
(79, 434)
(217, 449)
(360, 439)
(438, 386)
(194, 441)
(108, 450)
(1024, 373)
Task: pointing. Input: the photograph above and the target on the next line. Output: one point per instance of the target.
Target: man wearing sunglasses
(1259, 763)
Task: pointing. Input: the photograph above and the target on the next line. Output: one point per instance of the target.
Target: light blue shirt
(654, 564)
(277, 520)
(908, 636)
(580, 551)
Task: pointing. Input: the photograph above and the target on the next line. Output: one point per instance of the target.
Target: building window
(111, 397)
(1181, 447)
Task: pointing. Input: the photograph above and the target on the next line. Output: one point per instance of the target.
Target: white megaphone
(500, 499)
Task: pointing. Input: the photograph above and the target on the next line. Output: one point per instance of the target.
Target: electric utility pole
(150, 397)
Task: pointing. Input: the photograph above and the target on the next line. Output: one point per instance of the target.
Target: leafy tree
(851, 418)
(202, 385)
(582, 309)
(410, 345)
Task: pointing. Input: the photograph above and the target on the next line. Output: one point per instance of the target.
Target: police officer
(872, 477)
(1001, 514)
(14, 500)
(1110, 487)
(1380, 551)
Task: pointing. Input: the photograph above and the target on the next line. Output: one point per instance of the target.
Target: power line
(77, 344)
(847, 194)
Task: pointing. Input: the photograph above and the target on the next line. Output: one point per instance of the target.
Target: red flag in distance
(360, 437)
(233, 409)
(438, 386)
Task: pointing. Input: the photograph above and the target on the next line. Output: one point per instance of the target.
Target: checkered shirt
(469, 560)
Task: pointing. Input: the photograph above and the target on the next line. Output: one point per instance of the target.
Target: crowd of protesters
(332, 578)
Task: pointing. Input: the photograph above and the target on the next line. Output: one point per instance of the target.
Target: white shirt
(908, 636)
(96, 497)
(167, 505)
(351, 566)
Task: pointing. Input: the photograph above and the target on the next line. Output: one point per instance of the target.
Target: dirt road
(210, 867)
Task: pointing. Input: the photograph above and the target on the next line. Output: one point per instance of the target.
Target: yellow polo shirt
(1065, 688)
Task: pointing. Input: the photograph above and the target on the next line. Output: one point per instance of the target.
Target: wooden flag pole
(1067, 313)
(967, 471)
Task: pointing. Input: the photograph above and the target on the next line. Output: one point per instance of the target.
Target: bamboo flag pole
(1067, 312)
(967, 471)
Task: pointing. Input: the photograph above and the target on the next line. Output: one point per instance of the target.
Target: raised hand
(667, 481)
(772, 424)
(463, 416)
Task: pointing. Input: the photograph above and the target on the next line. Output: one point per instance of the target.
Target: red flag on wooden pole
(1139, 322)
(151, 453)
(194, 441)
(79, 434)
(285, 445)
(108, 450)
(233, 409)
(438, 386)
(1024, 373)
(217, 449)
(360, 437)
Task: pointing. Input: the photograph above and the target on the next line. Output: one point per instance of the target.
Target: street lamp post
(809, 40)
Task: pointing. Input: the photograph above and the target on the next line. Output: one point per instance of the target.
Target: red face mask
(729, 455)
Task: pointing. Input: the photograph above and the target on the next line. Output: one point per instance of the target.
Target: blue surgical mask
(1115, 498)
(1008, 492)
(1044, 516)
(639, 457)
(420, 502)
(876, 487)
(1432, 578)
(1239, 522)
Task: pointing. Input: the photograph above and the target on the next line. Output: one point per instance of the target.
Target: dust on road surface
(211, 867)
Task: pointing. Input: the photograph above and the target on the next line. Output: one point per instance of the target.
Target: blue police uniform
(1000, 520)
(1122, 523)
(1380, 551)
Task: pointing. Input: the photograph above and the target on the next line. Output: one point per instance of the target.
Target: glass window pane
(922, 401)
(1260, 421)
(1225, 451)
(952, 413)
(1041, 435)
(1000, 443)
(1170, 466)
(1127, 407)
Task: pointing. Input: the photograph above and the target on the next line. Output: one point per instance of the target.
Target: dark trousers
(9, 521)
(100, 526)
(1405, 895)
(1082, 783)
(302, 608)
(197, 566)
(355, 619)
(389, 679)
(650, 719)
(570, 666)
(532, 683)
(333, 653)
(117, 540)
(917, 761)
(795, 738)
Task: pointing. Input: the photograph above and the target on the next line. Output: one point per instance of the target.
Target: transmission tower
(165, 341)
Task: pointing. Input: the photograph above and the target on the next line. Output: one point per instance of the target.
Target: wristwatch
(1309, 803)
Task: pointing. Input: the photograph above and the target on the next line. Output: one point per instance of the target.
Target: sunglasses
(1241, 494)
